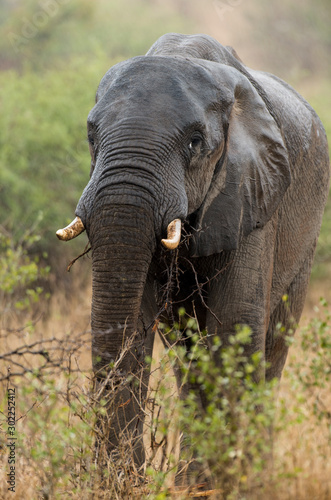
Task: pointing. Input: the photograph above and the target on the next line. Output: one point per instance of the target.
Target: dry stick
(205, 282)
(166, 299)
(86, 251)
(46, 349)
(196, 494)
(33, 405)
(22, 328)
(199, 286)
(174, 269)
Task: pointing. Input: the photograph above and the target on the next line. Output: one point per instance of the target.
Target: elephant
(200, 161)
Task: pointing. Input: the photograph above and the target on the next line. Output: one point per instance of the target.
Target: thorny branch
(199, 290)
(53, 352)
(172, 285)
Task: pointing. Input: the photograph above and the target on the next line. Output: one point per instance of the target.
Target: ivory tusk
(173, 235)
(75, 228)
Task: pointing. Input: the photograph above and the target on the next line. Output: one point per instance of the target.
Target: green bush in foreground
(231, 437)
(240, 437)
(315, 377)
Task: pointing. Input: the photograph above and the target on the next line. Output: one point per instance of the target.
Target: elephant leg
(241, 294)
(287, 314)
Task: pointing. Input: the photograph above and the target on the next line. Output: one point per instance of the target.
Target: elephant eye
(92, 148)
(195, 144)
(91, 145)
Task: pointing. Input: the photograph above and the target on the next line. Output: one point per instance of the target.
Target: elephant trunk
(123, 241)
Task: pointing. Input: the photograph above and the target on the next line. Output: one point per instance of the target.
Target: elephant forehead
(174, 75)
(156, 87)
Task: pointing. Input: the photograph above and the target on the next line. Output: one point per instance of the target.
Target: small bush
(230, 438)
(20, 274)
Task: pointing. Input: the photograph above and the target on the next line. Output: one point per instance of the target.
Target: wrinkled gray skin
(189, 132)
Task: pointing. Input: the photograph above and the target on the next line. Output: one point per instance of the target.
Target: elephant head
(172, 139)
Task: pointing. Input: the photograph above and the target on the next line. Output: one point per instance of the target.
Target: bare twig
(86, 251)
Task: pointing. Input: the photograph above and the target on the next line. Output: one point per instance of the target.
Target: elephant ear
(250, 178)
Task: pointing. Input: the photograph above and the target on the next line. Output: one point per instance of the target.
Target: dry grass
(302, 456)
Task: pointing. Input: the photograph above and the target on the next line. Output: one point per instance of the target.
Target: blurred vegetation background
(53, 54)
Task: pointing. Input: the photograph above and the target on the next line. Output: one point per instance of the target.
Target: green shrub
(44, 160)
(82, 29)
(21, 275)
(56, 434)
(230, 437)
(314, 379)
